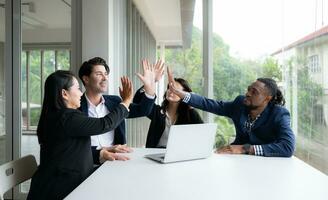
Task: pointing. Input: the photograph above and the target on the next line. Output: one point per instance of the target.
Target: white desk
(218, 177)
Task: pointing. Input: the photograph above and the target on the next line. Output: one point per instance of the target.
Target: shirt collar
(91, 104)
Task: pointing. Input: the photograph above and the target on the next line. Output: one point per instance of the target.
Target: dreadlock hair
(275, 92)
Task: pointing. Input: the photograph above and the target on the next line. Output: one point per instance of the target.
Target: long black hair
(53, 99)
(275, 92)
(183, 110)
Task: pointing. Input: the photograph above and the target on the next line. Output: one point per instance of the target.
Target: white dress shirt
(165, 136)
(105, 139)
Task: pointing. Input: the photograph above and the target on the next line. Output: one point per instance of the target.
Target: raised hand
(172, 87)
(170, 76)
(159, 69)
(148, 77)
(178, 92)
(126, 91)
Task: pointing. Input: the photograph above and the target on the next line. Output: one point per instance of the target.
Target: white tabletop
(218, 177)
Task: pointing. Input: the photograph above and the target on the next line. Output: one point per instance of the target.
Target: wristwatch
(246, 148)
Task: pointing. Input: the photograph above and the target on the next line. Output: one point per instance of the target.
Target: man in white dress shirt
(94, 75)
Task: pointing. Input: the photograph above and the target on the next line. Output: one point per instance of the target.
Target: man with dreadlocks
(262, 123)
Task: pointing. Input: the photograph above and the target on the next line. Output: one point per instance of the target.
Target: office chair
(16, 172)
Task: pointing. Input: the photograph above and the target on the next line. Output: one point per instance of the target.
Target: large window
(37, 65)
(273, 39)
(46, 44)
(267, 39)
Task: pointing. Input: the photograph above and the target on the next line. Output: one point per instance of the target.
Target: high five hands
(152, 73)
(172, 87)
(126, 91)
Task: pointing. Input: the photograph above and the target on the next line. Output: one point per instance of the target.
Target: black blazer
(65, 155)
(140, 109)
(157, 124)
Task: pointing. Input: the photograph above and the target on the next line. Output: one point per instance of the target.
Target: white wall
(97, 35)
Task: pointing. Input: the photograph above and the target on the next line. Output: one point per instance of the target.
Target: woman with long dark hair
(172, 111)
(64, 136)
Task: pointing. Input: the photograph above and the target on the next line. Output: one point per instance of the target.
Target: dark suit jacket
(65, 155)
(272, 129)
(139, 109)
(157, 124)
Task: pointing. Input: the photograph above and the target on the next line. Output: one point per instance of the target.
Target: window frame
(42, 47)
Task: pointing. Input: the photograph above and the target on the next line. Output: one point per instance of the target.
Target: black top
(65, 156)
(157, 124)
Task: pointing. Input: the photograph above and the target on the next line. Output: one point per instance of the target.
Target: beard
(251, 107)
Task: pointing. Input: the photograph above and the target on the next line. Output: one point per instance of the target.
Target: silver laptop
(187, 142)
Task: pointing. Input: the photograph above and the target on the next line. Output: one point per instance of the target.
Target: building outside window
(313, 63)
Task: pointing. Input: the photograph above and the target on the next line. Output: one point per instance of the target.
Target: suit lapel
(243, 118)
(84, 105)
(109, 104)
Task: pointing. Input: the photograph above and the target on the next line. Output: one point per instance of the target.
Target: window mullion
(28, 121)
(56, 60)
(42, 73)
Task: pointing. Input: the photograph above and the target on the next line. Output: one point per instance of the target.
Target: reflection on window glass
(23, 89)
(3, 142)
(23, 74)
(34, 89)
(33, 84)
(63, 59)
(49, 62)
(285, 44)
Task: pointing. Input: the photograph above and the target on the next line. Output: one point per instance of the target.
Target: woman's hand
(170, 75)
(126, 91)
(159, 69)
(172, 87)
(148, 77)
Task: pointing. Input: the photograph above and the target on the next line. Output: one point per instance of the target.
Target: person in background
(64, 136)
(261, 121)
(172, 111)
(94, 76)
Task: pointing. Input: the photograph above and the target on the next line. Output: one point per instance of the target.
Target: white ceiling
(163, 18)
(42, 21)
(51, 14)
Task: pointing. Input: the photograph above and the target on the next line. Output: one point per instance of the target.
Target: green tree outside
(231, 75)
